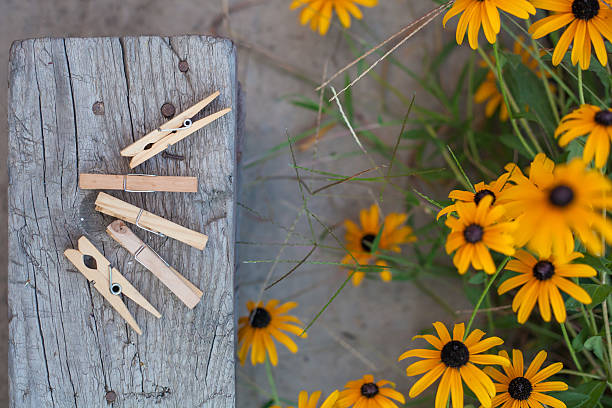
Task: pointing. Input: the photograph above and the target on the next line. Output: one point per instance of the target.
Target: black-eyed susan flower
(593, 122)
(540, 281)
(520, 388)
(589, 21)
(454, 359)
(489, 91)
(359, 239)
(257, 330)
(481, 190)
(366, 392)
(556, 201)
(304, 401)
(319, 12)
(477, 230)
(484, 13)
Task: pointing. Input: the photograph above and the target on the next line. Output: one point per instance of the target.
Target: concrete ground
(365, 328)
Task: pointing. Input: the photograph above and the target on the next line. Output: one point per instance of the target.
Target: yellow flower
(319, 12)
(477, 230)
(454, 360)
(493, 189)
(485, 13)
(594, 122)
(589, 21)
(359, 240)
(521, 389)
(365, 392)
(305, 402)
(263, 323)
(541, 280)
(488, 90)
(555, 201)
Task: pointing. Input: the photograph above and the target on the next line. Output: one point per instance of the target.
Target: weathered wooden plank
(73, 104)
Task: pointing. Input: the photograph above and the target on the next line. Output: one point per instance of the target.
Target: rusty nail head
(183, 66)
(98, 108)
(168, 110)
(111, 396)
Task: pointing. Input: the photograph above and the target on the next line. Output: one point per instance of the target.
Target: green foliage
(450, 144)
(586, 395)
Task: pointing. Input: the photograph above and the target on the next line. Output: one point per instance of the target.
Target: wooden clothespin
(108, 281)
(138, 183)
(176, 129)
(117, 208)
(186, 291)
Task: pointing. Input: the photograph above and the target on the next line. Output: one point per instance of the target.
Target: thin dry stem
(409, 30)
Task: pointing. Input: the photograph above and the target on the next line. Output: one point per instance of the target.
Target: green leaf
(586, 395)
(528, 91)
(477, 279)
(595, 77)
(574, 149)
(578, 342)
(596, 345)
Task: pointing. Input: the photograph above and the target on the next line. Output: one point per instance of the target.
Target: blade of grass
(465, 177)
(500, 267)
(294, 268)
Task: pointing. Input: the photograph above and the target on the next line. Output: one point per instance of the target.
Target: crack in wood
(67, 346)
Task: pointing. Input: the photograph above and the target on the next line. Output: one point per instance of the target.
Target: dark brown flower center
(543, 270)
(260, 318)
(482, 194)
(604, 117)
(585, 9)
(367, 241)
(369, 390)
(455, 354)
(561, 196)
(473, 233)
(520, 388)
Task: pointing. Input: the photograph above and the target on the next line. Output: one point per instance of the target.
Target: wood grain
(186, 291)
(136, 183)
(117, 208)
(67, 347)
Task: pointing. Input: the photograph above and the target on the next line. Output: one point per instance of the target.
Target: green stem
(489, 312)
(604, 304)
(604, 311)
(580, 89)
(484, 294)
(569, 347)
(430, 130)
(541, 67)
(587, 354)
(272, 383)
(590, 324)
(511, 104)
(579, 374)
(470, 110)
(497, 70)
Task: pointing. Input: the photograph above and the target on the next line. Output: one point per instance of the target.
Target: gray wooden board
(68, 347)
